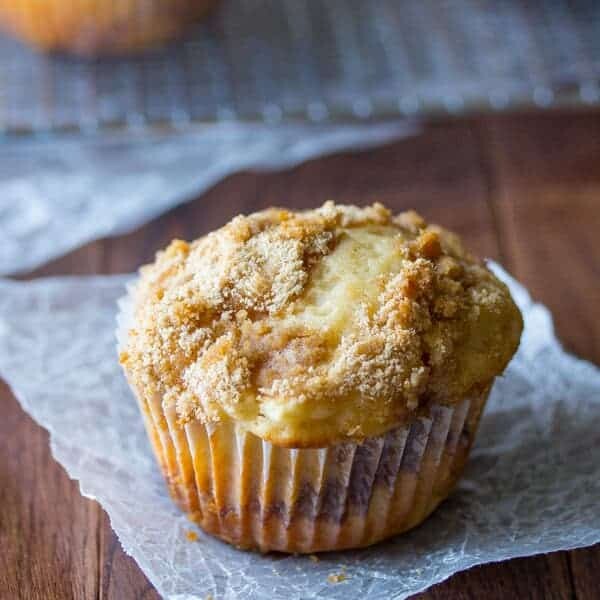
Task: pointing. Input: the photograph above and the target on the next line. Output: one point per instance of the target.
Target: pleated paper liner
(254, 494)
(91, 27)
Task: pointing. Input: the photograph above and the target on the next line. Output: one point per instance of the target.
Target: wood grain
(524, 189)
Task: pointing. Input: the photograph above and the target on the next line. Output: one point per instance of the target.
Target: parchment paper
(532, 484)
(57, 193)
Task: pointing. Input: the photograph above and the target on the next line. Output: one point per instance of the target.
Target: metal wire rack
(319, 59)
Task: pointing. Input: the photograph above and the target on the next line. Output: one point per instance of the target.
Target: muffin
(314, 380)
(99, 26)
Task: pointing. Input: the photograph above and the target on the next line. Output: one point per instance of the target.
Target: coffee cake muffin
(92, 27)
(313, 380)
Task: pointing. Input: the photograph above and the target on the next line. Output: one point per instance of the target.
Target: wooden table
(524, 190)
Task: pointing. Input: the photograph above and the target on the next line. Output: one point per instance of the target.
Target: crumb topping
(320, 326)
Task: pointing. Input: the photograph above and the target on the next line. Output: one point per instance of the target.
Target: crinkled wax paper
(59, 193)
(532, 484)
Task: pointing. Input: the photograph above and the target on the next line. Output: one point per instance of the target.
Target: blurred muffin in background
(99, 27)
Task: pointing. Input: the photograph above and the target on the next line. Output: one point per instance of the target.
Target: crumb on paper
(337, 577)
(314, 558)
(209, 597)
(191, 535)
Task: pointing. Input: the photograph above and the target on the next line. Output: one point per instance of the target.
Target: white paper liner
(257, 495)
(532, 483)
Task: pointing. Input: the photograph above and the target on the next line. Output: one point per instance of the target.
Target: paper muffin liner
(254, 494)
(99, 26)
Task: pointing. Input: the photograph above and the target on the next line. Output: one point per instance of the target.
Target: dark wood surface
(524, 190)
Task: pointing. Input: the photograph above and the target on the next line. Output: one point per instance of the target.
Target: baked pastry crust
(318, 327)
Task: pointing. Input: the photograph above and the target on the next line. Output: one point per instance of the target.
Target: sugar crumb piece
(209, 597)
(191, 536)
(314, 558)
(337, 577)
(428, 245)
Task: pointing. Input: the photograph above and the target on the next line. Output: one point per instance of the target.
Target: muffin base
(96, 27)
(254, 494)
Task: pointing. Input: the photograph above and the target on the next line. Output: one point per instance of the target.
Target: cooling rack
(319, 60)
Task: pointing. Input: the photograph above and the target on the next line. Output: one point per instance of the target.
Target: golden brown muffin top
(310, 328)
